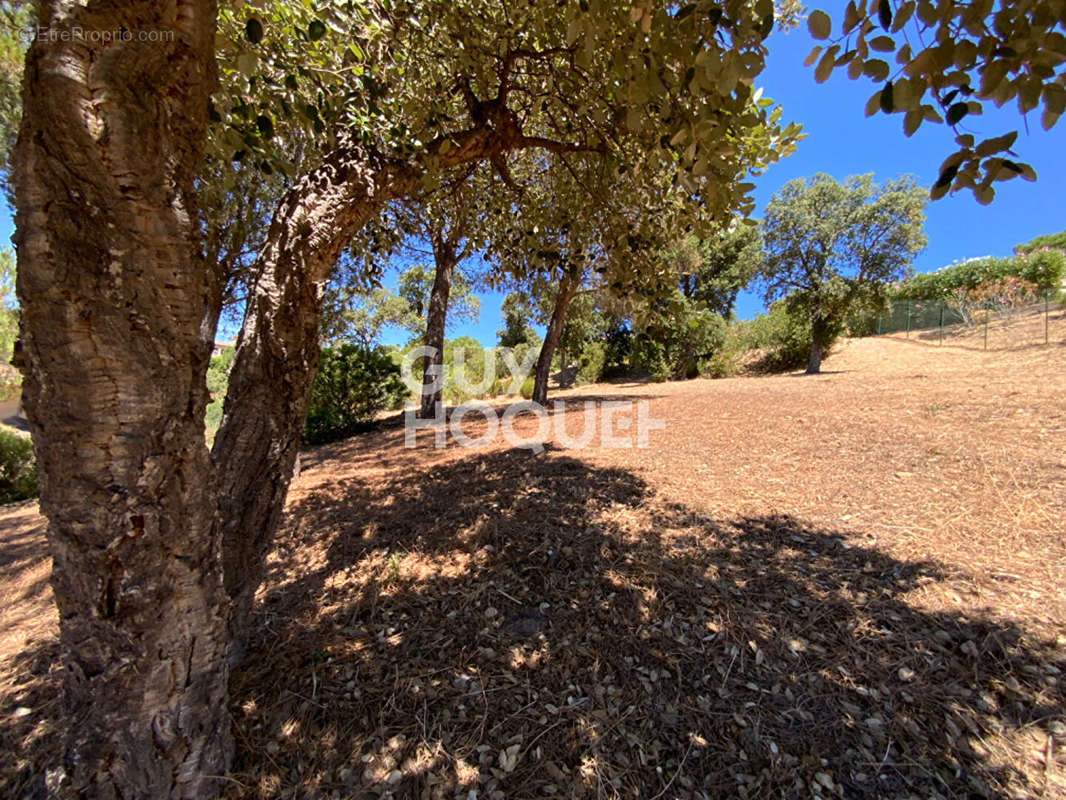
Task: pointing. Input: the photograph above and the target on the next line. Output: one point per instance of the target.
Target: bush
(591, 362)
(527, 388)
(1044, 268)
(784, 338)
(18, 470)
(353, 384)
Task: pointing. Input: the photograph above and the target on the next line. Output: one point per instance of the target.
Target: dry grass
(840, 586)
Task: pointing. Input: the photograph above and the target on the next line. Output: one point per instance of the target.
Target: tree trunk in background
(445, 257)
(118, 313)
(814, 361)
(567, 289)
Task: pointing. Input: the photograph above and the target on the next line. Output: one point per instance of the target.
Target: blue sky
(841, 141)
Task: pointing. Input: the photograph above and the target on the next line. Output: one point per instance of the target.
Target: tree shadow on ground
(531, 625)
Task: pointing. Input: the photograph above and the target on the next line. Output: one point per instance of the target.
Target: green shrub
(591, 362)
(648, 355)
(1044, 268)
(18, 470)
(527, 388)
(353, 384)
(784, 337)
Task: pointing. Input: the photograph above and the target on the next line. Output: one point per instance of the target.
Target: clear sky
(841, 141)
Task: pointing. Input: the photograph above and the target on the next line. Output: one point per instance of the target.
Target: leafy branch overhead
(644, 87)
(941, 62)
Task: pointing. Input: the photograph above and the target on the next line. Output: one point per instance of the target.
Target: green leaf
(947, 175)
(316, 30)
(851, 16)
(885, 100)
(902, 15)
(873, 103)
(819, 24)
(876, 69)
(825, 66)
(1048, 119)
(883, 44)
(956, 112)
(884, 13)
(253, 30)
(911, 121)
(812, 56)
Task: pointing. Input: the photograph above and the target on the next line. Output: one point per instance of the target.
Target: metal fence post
(942, 322)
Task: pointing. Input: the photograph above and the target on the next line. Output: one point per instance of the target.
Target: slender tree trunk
(814, 360)
(118, 316)
(567, 289)
(277, 350)
(274, 366)
(445, 256)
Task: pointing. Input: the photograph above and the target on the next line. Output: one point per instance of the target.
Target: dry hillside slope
(847, 585)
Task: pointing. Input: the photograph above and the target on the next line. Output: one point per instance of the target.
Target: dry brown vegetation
(838, 586)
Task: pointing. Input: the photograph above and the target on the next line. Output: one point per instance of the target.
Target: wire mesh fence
(993, 324)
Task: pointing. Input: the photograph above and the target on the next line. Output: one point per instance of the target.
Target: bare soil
(847, 585)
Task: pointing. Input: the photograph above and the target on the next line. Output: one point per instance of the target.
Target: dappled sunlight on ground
(839, 586)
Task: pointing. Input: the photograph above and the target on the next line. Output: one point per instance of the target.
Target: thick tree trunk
(118, 315)
(567, 289)
(445, 257)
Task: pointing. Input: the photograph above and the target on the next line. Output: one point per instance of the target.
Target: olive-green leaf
(825, 66)
(883, 44)
(884, 13)
(819, 24)
(316, 30)
(876, 69)
(956, 112)
(911, 121)
(886, 101)
(812, 56)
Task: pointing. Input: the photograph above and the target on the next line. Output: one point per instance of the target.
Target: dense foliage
(1054, 241)
(352, 386)
(1042, 268)
(18, 470)
(830, 249)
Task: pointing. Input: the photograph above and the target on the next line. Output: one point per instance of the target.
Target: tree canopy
(830, 248)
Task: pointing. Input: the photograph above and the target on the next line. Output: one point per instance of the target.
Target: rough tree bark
(814, 360)
(117, 322)
(568, 287)
(277, 350)
(445, 258)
